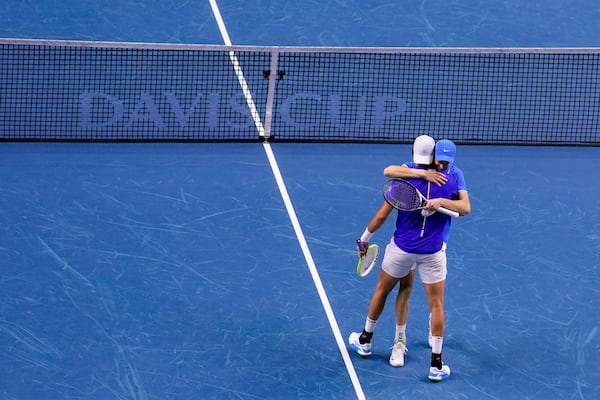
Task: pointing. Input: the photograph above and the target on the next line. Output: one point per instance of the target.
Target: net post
(271, 93)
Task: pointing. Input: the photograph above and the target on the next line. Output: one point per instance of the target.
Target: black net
(95, 91)
(91, 93)
(477, 98)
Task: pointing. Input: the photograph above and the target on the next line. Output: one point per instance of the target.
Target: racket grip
(360, 245)
(450, 213)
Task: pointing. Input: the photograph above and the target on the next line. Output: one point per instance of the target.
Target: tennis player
(423, 148)
(419, 243)
(445, 153)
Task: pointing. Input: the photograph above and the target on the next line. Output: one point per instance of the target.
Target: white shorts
(398, 263)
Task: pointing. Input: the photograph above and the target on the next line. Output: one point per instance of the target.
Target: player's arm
(380, 217)
(404, 171)
(376, 222)
(462, 205)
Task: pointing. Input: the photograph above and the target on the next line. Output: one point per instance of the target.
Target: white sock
(401, 332)
(370, 325)
(436, 344)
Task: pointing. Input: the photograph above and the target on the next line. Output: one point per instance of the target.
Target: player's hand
(433, 204)
(365, 246)
(427, 213)
(435, 176)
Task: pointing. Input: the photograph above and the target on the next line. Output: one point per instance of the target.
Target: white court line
(291, 212)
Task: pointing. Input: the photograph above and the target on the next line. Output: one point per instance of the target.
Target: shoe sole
(361, 353)
(437, 378)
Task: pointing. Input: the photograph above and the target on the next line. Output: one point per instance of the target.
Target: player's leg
(435, 298)
(361, 342)
(395, 265)
(401, 308)
(404, 291)
(432, 270)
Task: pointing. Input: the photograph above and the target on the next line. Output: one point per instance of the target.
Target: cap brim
(443, 157)
(422, 160)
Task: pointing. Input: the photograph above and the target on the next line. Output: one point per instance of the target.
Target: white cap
(423, 150)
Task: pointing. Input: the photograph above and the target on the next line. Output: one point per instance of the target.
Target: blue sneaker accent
(363, 349)
(436, 375)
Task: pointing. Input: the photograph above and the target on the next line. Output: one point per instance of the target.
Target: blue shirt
(426, 235)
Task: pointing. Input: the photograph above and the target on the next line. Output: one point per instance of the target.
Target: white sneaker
(430, 338)
(436, 375)
(398, 351)
(363, 349)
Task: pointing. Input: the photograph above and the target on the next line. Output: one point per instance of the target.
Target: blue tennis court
(175, 270)
(172, 270)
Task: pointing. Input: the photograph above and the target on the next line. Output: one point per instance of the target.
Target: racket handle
(360, 245)
(450, 213)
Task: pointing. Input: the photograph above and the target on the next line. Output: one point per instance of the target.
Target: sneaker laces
(399, 347)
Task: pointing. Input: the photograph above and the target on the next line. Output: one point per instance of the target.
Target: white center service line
(290, 209)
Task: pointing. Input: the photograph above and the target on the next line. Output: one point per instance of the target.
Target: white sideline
(291, 212)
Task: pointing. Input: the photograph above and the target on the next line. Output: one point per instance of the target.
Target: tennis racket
(404, 196)
(368, 261)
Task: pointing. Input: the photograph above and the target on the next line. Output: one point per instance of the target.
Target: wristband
(366, 236)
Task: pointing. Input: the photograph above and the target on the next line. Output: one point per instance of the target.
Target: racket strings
(367, 262)
(405, 196)
(369, 257)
